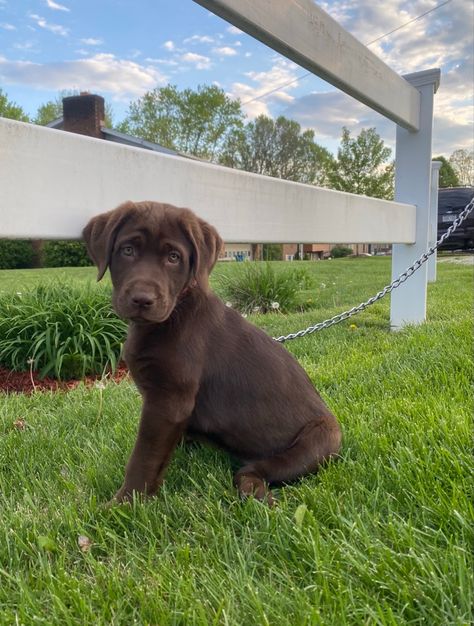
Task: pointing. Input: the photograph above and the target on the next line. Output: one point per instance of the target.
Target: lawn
(382, 537)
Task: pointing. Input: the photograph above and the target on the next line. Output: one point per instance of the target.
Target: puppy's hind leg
(316, 443)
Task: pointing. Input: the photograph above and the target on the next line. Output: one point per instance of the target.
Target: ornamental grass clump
(256, 287)
(60, 330)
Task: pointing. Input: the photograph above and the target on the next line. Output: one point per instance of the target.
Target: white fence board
(52, 182)
(301, 31)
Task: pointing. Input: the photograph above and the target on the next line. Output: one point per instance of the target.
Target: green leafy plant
(65, 254)
(257, 288)
(60, 330)
(341, 251)
(15, 254)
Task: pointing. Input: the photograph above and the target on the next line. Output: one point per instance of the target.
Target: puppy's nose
(143, 300)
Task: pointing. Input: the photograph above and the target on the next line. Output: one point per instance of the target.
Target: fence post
(413, 185)
(433, 236)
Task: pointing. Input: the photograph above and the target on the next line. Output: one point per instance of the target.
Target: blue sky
(123, 48)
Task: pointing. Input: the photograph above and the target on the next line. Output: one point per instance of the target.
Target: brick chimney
(84, 114)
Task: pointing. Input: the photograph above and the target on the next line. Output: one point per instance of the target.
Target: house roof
(129, 140)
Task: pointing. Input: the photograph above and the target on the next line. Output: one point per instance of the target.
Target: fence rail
(52, 182)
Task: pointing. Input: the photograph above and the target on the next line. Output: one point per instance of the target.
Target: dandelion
(229, 304)
(275, 305)
(99, 384)
(353, 326)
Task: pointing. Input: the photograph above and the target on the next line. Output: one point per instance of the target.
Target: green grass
(382, 537)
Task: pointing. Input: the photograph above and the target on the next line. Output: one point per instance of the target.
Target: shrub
(60, 330)
(341, 251)
(65, 254)
(15, 254)
(257, 288)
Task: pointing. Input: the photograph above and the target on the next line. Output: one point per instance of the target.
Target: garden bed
(28, 382)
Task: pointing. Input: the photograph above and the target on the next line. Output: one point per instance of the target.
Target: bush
(15, 254)
(340, 251)
(61, 331)
(255, 287)
(65, 254)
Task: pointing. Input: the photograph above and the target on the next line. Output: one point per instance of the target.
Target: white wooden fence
(52, 182)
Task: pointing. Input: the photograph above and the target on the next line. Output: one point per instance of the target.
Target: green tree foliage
(277, 148)
(195, 122)
(272, 251)
(462, 161)
(10, 109)
(361, 166)
(447, 175)
(51, 110)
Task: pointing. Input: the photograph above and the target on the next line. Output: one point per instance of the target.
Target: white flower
(323, 285)
(275, 305)
(256, 309)
(99, 384)
(229, 304)
(244, 314)
(18, 293)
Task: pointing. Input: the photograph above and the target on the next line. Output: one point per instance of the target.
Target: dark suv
(451, 201)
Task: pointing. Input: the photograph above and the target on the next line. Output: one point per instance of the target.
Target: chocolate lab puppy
(201, 368)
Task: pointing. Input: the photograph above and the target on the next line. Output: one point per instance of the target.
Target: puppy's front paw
(253, 485)
(123, 496)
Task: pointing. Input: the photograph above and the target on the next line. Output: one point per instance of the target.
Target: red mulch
(24, 382)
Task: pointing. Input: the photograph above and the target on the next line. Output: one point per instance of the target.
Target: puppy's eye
(128, 251)
(174, 257)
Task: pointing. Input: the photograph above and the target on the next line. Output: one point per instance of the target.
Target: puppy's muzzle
(142, 300)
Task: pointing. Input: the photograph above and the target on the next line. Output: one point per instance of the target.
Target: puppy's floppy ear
(207, 246)
(101, 232)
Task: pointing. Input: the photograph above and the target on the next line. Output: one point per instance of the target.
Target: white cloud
(199, 39)
(57, 29)
(101, 73)
(225, 51)
(198, 60)
(90, 41)
(233, 30)
(169, 45)
(161, 61)
(7, 26)
(55, 6)
(281, 73)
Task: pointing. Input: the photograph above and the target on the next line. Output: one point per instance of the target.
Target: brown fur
(201, 368)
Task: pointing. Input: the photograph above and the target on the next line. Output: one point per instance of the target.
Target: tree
(194, 122)
(277, 148)
(462, 161)
(361, 166)
(447, 175)
(53, 109)
(11, 110)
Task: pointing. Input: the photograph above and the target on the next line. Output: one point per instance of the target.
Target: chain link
(388, 288)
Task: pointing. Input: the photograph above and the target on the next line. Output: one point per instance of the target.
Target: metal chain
(388, 288)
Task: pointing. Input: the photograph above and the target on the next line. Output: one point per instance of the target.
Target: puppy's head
(155, 252)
